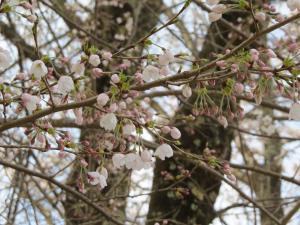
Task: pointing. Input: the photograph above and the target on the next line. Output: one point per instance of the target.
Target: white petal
(65, 84)
(109, 121)
(130, 160)
(118, 160)
(78, 68)
(146, 156)
(5, 59)
(102, 99)
(150, 73)
(187, 91)
(102, 181)
(94, 178)
(104, 172)
(165, 58)
(164, 151)
(94, 60)
(128, 129)
(38, 69)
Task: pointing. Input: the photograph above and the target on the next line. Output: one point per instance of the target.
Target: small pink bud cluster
(227, 171)
(173, 131)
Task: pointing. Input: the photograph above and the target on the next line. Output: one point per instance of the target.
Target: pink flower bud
(97, 72)
(139, 77)
(293, 47)
(233, 98)
(129, 100)
(221, 64)
(133, 93)
(239, 88)
(175, 133)
(148, 100)
(266, 6)
(83, 163)
(227, 51)
(115, 78)
(165, 129)
(279, 18)
(223, 121)
(260, 16)
(187, 91)
(254, 55)
(122, 105)
(234, 68)
(107, 55)
(272, 8)
(226, 168)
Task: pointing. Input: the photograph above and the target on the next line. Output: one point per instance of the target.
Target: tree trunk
(198, 206)
(105, 26)
(268, 188)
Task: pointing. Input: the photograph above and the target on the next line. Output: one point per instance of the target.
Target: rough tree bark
(105, 25)
(268, 189)
(198, 207)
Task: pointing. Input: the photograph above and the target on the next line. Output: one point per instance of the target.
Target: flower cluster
(122, 112)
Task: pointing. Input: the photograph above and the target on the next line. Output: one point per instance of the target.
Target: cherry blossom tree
(197, 99)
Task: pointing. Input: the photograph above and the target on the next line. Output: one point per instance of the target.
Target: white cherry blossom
(187, 91)
(223, 121)
(104, 172)
(5, 59)
(65, 85)
(78, 69)
(166, 58)
(146, 156)
(30, 101)
(151, 73)
(135, 162)
(97, 178)
(38, 69)
(109, 121)
(106, 55)
(164, 151)
(118, 160)
(128, 129)
(260, 16)
(94, 60)
(102, 99)
(175, 133)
